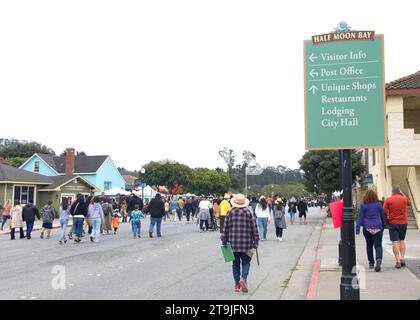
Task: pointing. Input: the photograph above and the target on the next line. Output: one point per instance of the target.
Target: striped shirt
(240, 230)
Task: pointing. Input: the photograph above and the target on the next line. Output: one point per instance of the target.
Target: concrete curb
(313, 286)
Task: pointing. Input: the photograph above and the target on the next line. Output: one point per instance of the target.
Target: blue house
(100, 171)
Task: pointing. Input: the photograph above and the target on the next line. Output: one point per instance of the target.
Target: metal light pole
(142, 171)
(349, 286)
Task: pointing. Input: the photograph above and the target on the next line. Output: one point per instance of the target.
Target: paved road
(183, 264)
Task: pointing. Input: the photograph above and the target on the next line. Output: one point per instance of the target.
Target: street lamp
(142, 171)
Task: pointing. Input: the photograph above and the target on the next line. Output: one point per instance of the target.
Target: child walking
(135, 218)
(116, 222)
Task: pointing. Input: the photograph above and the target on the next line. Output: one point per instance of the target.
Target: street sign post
(344, 91)
(345, 109)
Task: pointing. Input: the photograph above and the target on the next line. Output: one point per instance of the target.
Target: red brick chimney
(70, 161)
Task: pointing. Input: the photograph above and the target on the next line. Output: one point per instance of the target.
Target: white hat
(239, 201)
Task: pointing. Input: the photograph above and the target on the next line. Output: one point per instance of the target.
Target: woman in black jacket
(79, 212)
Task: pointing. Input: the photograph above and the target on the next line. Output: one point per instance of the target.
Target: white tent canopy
(115, 191)
(148, 192)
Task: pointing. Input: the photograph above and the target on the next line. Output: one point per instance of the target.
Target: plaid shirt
(240, 230)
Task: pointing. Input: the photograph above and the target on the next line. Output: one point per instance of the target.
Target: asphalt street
(183, 264)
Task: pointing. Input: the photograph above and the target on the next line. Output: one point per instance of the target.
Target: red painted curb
(311, 295)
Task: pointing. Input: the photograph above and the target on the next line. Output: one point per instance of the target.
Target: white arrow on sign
(314, 89)
(313, 57)
(313, 73)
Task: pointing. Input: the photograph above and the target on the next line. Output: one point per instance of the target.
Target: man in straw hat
(240, 230)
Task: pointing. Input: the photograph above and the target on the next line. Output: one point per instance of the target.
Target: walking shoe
(398, 265)
(402, 262)
(48, 237)
(60, 242)
(378, 265)
(281, 239)
(42, 235)
(91, 239)
(139, 236)
(150, 235)
(371, 265)
(237, 288)
(244, 285)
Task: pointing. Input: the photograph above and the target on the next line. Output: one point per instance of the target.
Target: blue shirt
(174, 205)
(136, 215)
(371, 216)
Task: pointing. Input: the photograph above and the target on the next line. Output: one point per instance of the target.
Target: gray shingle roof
(410, 82)
(82, 164)
(9, 173)
(58, 181)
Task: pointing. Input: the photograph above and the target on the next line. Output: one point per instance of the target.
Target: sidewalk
(389, 284)
(37, 227)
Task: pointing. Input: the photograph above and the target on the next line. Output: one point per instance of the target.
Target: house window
(36, 166)
(24, 194)
(107, 185)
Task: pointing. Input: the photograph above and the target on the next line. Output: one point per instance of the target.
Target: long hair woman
(262, 211)
(372, 218)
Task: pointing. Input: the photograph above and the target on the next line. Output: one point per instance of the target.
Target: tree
(22, 149)
(167, 173)
(16, 161)
(321, 168)
(287, 190)
(229, 157)
(206, 181)
(81, 153)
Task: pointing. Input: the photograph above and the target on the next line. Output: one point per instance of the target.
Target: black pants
(221, 223)
(179, 213)
(188, 212)
(12, 233)
(279, 232)
(204, 222)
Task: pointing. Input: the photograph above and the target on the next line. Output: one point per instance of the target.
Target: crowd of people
(242, 221)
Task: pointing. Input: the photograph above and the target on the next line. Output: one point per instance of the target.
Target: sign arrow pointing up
(313, 57)
(314, 89)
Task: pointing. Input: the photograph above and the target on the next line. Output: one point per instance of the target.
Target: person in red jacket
(395, 208)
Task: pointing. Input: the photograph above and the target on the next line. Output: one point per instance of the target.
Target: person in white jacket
(96, 217)
(262, 211)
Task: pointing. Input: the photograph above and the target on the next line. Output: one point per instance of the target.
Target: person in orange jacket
(116, 222)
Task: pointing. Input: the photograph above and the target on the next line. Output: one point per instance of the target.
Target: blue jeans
(136, 227)
(292, 217)
(236, 266)
(4, 220)
(29, 227)
(373, 240)
(96, 228)
(63, 226)
(78, 222)
(158, 222)
(262, 228)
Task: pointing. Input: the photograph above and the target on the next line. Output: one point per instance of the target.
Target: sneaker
(398, 265)
(150, 235)
(91, 239)
(244, 285)
(378, 265)
(42, 236)
(371, 265)
(139, 236)
(48, 237)
(60, 242)
(281, 239)
(402, 262)
(237, 288)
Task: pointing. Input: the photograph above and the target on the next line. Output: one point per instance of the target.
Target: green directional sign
(344, 91)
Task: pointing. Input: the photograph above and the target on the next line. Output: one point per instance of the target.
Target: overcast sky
(150, 80)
